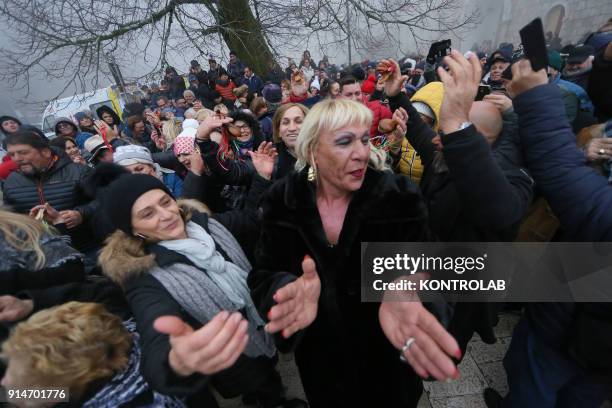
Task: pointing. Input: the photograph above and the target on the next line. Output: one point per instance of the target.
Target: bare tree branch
(71, 40)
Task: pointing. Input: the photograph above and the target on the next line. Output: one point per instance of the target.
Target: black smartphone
(483, 90)
(507, 74)
(437, 51)
(534, 44)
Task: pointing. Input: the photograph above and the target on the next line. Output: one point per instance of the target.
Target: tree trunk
(243, 35)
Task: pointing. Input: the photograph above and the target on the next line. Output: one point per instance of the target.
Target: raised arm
(581, 198)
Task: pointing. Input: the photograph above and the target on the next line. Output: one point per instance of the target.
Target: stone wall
(580, 18)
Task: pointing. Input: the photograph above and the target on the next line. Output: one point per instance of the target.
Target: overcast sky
(11, 99)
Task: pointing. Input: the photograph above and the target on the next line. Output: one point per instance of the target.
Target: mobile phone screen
(438, 50)
(534, 44)
(483, 90)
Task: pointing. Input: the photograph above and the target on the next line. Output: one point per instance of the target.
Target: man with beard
(48, 184)
(578, 66)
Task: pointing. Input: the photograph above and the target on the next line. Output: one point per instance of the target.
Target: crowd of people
(153, 255)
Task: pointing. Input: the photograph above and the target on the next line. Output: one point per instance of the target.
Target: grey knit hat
(132, 154)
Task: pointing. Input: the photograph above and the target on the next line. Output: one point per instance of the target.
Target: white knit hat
(190, 123)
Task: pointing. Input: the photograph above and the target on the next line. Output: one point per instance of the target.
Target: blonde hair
(23, 233)
(202, 114)
(189, 114)
(278, 117)
(71, 345)
(329, 116)
(222, 108)
(170, 130)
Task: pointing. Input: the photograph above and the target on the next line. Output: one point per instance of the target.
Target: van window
(95, 106)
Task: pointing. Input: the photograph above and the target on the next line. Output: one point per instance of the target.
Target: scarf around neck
(129, 384)
(245, 147)
(215, 284)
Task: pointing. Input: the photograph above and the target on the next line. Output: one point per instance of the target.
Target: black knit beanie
(121, 195)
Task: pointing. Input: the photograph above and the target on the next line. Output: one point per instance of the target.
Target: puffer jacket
(582, 200)
(410, 163)
(60, 186)
(128, 263)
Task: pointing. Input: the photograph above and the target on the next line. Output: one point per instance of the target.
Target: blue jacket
(585, 101)
(80, 139)
(173, 182)
(254, 83)
(580, 197)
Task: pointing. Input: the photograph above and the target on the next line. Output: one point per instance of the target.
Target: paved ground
(480, 368)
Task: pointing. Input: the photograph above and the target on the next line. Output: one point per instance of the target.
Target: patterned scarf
(129, 384)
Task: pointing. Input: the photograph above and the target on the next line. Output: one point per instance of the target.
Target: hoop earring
(312, 171)
(141, 236)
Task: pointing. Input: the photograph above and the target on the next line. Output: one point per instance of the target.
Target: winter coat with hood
(62, 187)
(344, 358)
(582, 199)
(128, 263)
(117, 123)
(3, 134)
(409, 162)
(79, 137)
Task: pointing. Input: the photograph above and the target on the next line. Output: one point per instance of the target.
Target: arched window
(554, 20)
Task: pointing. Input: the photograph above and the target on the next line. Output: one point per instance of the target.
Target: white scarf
(199, 247)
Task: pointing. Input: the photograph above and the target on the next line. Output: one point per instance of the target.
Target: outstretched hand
(208, 350)
(460, 89)
(406, 318)
(296, 303)
(264, 158)
(208, 125)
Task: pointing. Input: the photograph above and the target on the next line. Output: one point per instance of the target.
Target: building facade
(565, 21)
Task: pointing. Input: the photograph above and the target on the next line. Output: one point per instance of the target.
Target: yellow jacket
(410, 162)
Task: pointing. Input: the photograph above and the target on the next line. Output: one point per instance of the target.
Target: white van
(68, 107)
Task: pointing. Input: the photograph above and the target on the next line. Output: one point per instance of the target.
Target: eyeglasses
(241, 127)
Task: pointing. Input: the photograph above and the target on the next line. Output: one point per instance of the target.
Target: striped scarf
(129, 384)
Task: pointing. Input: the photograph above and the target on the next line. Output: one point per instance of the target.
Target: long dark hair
(61, 141)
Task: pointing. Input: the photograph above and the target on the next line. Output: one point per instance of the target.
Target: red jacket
(298, 99)
(379, 112)
(7, 167)
(226, 91)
